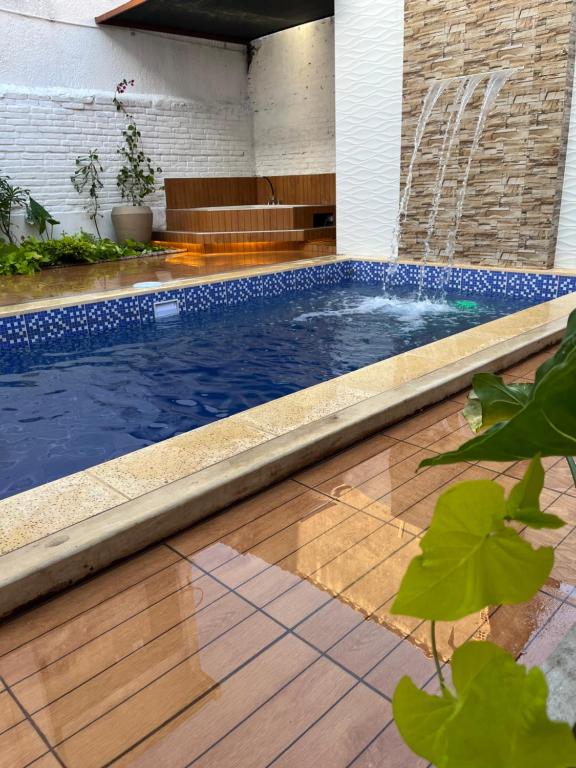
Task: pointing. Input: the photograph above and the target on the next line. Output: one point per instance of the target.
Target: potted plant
(136, 180)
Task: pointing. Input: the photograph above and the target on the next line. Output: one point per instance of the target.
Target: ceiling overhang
(238, 21)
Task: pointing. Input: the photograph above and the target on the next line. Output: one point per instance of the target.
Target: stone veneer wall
(512, 206)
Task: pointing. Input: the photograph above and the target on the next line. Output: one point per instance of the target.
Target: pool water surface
(72, 404)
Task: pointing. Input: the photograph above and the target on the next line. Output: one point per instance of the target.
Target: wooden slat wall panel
(207, 192)
(312, 189)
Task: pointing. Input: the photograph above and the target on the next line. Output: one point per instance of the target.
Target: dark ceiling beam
(109, 16)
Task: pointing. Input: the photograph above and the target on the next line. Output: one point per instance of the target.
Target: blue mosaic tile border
(21, 331)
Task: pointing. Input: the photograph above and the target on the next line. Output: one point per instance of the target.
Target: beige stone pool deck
(54, 534)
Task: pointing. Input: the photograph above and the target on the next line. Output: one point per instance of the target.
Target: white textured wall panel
(369, 43)
(566, 244)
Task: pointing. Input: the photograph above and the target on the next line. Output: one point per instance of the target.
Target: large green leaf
(497, 719)
(493, 401)
(524, 501)
(546, 424)
(470, 558)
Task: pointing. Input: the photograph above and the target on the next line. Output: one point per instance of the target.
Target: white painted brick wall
(41, 134)
(291, 88)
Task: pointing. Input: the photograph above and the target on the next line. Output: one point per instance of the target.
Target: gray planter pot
(132, 222)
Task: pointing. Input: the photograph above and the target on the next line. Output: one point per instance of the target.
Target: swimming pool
(79, 399)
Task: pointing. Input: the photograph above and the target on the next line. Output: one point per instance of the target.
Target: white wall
(369, 37)
(56, 83)
(566, 245)
(291, 86)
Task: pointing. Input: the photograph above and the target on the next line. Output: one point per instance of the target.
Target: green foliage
(136, 180)
(11, 197)
(16, 260)
(496, 718)
(37, 216)
(542, 422)
(471, 558)
(86, 179)
(493, 401)
(33, 254)
(83, 249)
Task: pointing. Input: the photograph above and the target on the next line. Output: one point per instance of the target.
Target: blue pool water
(70, 405)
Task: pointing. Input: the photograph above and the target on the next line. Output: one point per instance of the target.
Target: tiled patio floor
(262, 636)
(112, 275)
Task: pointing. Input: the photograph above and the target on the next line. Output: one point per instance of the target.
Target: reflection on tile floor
(112, 275)
(263, 636)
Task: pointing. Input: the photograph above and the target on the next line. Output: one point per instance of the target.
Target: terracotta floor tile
(180, 646)
(389, 751)
(341, 734)
(200, 726)
(375, 588)
(400, 625)
(386, 481)
(565, 560)
(360, 558)
(214, 528)
(339, 485)
(441, 431)
(69, 672)
(305, 531)
(20, 745)
(257, 741)
(426, 482)
(47, 761)
(346, 460)
(282, 517)
(312, 558)
(65, 638)
(513, 626)
(56, 611)
(364, 647)
(329, 625)
(10, 712)
(408, 427)
(404, 660)
(267, 585)
(550, 636)
(452, 441)
(297, 604)
(417, 518)
(122, 727)
(240, 569)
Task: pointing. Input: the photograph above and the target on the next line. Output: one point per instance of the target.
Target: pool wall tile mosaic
(112, 314)
(13, 332)
(109, 315)
(56, 324)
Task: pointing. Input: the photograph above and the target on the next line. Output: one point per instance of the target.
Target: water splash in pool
(405, 310)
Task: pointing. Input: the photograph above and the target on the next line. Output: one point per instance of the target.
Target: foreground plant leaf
(496, 719)
(545, 425)
(524, 501)
(493, 401)
(470, 558)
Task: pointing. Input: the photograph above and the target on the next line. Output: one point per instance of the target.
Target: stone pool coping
(59, 532)
(41, 305)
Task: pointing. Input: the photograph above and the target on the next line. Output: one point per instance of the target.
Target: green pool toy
(466, 304)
